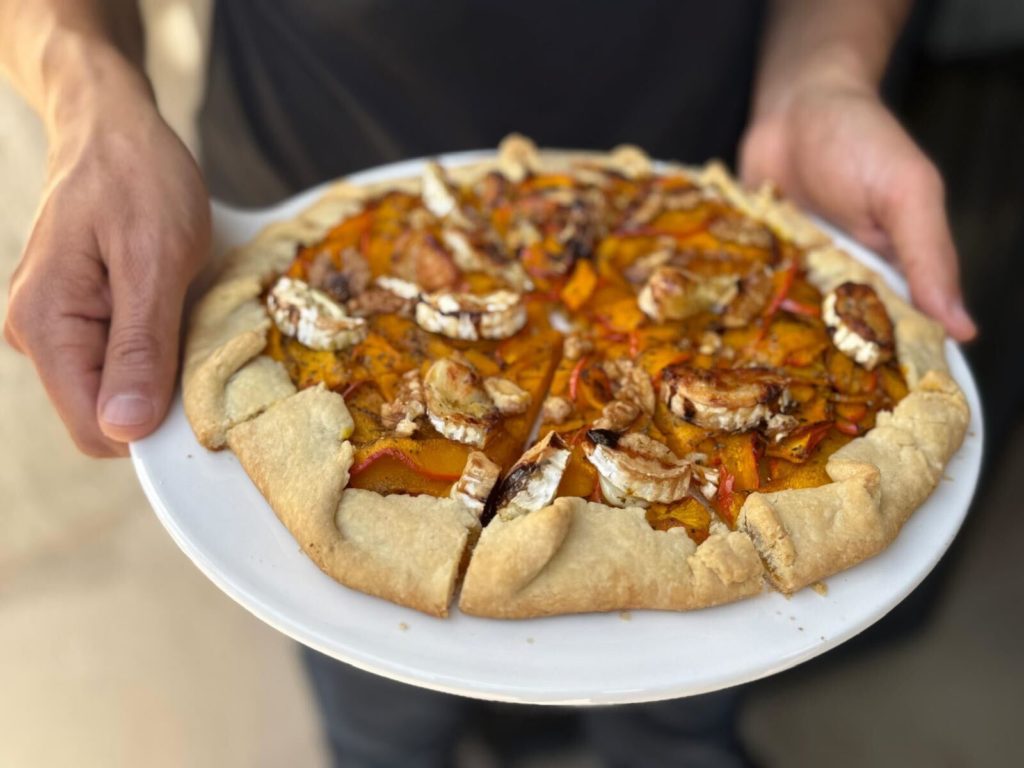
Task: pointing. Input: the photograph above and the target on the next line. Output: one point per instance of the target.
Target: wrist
(833, 71)
(87, 83)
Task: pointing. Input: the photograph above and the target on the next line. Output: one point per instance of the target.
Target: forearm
(62, 55)
(844, 43)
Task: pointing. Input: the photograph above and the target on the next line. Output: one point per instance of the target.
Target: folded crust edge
(407, 549)
(576, 556)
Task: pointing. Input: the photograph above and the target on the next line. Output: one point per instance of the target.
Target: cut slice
(406, 549)
(576, 556)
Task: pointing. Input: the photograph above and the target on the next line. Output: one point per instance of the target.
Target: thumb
(914, 216)
(141, 356)
(762, 154)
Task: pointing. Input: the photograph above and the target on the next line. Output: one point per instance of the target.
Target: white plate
(223, 524)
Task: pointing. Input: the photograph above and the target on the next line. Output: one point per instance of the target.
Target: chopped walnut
(617, 416)
(565, 196)
(576, 345)
(510, 398)
(420, 218)
(556, 410)
(521, 234)
(684, 199)
(340, 283)
(493, 189)
(645, 212)
(593, 176)
(630, 383)
(710, 343)
(755, 291)
(408, 406)
(742, 231)
(378, 301)
(580, 233)
(422, 259)
(640, 271)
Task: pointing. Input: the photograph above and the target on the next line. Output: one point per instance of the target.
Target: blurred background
(116, 651)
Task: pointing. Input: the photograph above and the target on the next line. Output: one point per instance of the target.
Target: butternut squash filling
(676, 347)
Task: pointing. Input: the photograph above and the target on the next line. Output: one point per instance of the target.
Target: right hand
(96, 300)
(834, 147)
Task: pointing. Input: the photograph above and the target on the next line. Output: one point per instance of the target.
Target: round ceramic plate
(219, 519)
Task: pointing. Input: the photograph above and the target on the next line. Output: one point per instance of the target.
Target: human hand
(834, 148)
(96, 300)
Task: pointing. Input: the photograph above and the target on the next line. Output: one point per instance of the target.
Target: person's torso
(313, 89)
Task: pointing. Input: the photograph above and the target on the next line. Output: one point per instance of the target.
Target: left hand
(835, 149)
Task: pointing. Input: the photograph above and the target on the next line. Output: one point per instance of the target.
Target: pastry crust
(572, 555)
(229, 328)
(576, 556)
(406, 549)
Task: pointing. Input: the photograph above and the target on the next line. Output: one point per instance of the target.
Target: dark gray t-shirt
(306, 90)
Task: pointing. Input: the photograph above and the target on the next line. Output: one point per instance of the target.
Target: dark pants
(372, 722)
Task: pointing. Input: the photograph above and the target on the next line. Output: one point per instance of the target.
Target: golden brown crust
(803, 535)
(573, 555)
(229, 328)
(576, 556)
(298, 455)
(406, 549)
(255, 387)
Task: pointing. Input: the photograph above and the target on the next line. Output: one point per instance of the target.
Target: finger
(57, 318)
(68, 361)
(142, 345)
(11, 338)
(763, 156)
(914, 215)
(874, 238)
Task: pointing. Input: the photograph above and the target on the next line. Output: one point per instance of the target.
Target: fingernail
(128, 410)
(963, 319)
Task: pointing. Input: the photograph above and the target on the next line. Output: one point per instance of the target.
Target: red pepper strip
(353, 387)
(675, 183)
(787, 282)
(872, 381)
(818, 433)
(799, 308)
(725, 483)
(364, 243)
(398, 455)
(634, 344)
(574, 378)
(847, 427)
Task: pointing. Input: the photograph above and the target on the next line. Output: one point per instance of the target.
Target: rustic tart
(570, 382)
